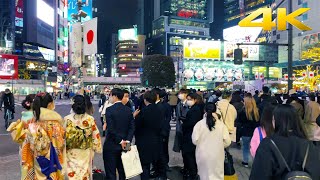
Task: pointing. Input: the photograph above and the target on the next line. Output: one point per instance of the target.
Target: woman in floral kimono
(82, 140)
(46, 136)
(18, 133)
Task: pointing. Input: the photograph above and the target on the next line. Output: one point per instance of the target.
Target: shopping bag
(233, 177)
(228, 164)
(131, 162)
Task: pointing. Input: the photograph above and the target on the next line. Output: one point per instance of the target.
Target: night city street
(9, 158)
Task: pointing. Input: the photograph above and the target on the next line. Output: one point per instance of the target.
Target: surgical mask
(190, 103)
(181, 97)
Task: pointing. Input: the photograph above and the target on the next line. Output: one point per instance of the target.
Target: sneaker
(246, 165)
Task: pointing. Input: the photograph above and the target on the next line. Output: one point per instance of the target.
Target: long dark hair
(27, 102)
(42, 100)
(287, 121)
(211, 121)
(79, 104)
(266, 118)
(88, 103)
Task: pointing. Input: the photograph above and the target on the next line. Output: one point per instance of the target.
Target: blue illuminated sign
(73, 10)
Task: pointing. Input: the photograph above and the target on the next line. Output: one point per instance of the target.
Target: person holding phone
(119, 119)
(148, 133)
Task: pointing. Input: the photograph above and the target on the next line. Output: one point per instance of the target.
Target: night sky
(114, 14)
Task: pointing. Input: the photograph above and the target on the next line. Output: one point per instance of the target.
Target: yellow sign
(201, 49)
(282, 18)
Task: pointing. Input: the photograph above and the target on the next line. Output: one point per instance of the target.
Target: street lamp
(12, 72)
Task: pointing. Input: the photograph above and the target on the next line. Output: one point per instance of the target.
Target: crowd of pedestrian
(280, 134)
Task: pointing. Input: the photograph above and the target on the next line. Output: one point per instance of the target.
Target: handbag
(228, 164)
(131, 162)
(98, 174)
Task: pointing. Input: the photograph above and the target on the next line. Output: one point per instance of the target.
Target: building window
(274, 42)
(278, 36)
(274, 33)
(304, 17)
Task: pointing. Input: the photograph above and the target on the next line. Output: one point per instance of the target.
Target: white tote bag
(131, 162)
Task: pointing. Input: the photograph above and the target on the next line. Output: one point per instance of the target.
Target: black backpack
(294, 175)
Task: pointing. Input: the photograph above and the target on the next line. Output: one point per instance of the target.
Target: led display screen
(8, 66)
(45, 12)
(128, 34)
(73, 10)
(242, 34)
(201, 49)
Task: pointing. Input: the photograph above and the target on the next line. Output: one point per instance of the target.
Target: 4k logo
(282, 18)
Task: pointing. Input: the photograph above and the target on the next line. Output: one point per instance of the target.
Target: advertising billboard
(250, 52)
(201, 49)
(309, 46)
(38, 52)
(73, 10)
(19, 13)
(212, 71)
(239, 34)
(45, 12)
(8, 66)
(128, 34)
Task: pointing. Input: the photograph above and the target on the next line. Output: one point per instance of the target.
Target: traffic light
(238, 56)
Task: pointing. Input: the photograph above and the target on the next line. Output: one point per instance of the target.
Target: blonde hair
(251, 109)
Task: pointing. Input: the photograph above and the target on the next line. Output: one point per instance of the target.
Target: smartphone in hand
(128, 147)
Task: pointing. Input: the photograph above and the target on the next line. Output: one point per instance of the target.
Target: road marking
(5, 134)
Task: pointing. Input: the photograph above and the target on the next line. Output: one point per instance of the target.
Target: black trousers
(238, 132)
(190, 164)
(146, 172)
(160, 164)
(165, 144)
(112, 162)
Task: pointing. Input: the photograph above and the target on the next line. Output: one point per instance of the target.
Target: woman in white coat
(210, 136)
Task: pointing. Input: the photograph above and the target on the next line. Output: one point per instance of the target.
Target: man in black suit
(160, 165)
(148, 133)
(120, 124)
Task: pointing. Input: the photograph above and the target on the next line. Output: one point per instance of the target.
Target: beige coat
(312, 111)
(228, 114)
(210, 149)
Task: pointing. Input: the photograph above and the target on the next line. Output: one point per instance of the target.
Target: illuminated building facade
(128, 53)
(235, 10)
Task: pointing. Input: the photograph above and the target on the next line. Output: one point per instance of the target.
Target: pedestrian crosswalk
(59, 103)
(173, 125)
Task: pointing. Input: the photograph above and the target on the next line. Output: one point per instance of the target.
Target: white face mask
(190, 103)
(181, 97)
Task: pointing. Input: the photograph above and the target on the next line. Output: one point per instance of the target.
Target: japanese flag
(90, 37)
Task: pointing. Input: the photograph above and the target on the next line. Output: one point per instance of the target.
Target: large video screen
(45, 12)
(239, 34)
(201, 49)
(128, 34)
(73, 10)
(8, 66)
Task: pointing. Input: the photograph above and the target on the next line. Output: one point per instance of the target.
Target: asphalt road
(9, 151)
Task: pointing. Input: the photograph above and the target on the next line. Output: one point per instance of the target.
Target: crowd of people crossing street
(281, 133)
